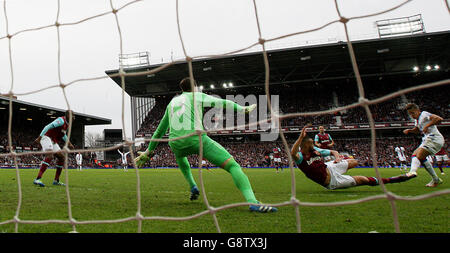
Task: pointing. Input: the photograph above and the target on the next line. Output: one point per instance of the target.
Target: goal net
(262, 42)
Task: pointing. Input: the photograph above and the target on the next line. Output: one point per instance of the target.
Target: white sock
(430, 170)
(415, 164)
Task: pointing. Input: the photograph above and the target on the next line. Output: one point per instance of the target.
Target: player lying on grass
(179, 119)
(432, 141)
(330, 175)
(50, 136)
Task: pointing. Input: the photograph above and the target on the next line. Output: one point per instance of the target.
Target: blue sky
(208, 27)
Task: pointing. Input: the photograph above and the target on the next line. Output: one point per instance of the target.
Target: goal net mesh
(294, 201)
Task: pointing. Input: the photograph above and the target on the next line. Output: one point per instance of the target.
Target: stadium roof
(307, 64)
(42, 112)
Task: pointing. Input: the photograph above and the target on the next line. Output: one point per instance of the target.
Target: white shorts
(48, 145)
(432, 143)
(338, 180)
(402, 159)
(79, 164)
(277, 160)
(441, 158)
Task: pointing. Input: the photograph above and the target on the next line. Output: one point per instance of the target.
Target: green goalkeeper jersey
(183, 118)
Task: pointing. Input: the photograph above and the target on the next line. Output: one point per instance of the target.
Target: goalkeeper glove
(250, 108)
(143, 158)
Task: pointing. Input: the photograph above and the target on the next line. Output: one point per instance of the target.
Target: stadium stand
(250, 153)
(313, 78)
(28, 121)
(430, 100)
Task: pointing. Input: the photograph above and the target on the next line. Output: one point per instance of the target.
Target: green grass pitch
(111, 194)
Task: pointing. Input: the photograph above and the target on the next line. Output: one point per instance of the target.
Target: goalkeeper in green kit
(180, 120)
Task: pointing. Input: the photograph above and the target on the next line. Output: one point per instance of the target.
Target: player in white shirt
(79, 159)
(432, 141)
(124, 159)
(402, 158)
(205, 164)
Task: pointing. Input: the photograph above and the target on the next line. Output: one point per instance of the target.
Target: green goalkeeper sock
(185, 168)
(240, 180)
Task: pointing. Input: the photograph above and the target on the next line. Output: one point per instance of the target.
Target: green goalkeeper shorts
(212, 151)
